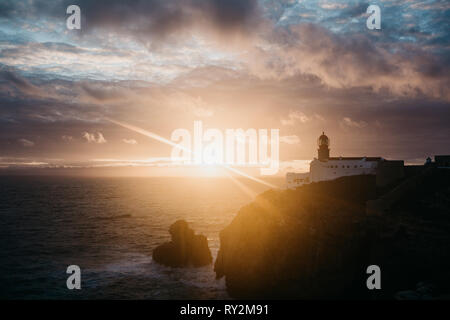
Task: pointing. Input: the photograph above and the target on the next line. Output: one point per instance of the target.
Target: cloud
(200, 109)
(398, 59)
(333, 6)
(67, 138)
(26, 143)
(295, 117)
(129, 141)
(203, 112)
(101, 92)
(182, 101)
(293, 139)
(160, 18)
(346, 121)
(397, 77)
(18, 82)
(344, 62)
(154, 20)
(90, 137)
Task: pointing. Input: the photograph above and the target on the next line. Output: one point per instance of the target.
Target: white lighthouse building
(325, 167)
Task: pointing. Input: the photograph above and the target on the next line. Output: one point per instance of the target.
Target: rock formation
(186, 248)
(317, 241)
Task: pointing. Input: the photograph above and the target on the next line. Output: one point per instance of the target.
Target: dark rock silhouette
(186, 248)
(317, 241)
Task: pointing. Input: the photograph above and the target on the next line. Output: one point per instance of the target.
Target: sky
(302, 67)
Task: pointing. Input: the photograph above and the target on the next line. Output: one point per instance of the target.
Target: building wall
(386, 171)
(332, 169)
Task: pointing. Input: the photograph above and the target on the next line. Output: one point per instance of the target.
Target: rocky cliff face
(186, 248)
(317, 242)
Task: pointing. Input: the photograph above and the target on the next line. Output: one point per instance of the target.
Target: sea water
(109, 227)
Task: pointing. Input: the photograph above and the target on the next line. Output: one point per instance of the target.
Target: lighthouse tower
(324, 151)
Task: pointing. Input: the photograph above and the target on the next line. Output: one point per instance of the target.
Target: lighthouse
(324, 147)
(325, 168)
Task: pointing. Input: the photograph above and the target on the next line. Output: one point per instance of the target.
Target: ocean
(109, 227)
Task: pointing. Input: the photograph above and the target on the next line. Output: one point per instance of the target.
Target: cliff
(186, 248)
(317, 241)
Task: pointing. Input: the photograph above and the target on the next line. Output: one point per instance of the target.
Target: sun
(210, 170)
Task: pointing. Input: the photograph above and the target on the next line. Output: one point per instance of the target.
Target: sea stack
(185, 250)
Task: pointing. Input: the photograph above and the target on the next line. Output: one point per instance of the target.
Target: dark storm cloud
(161, 17)
(44, 118)
(16, 82)
(19, 82)
(7, 8)
(157, 18)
